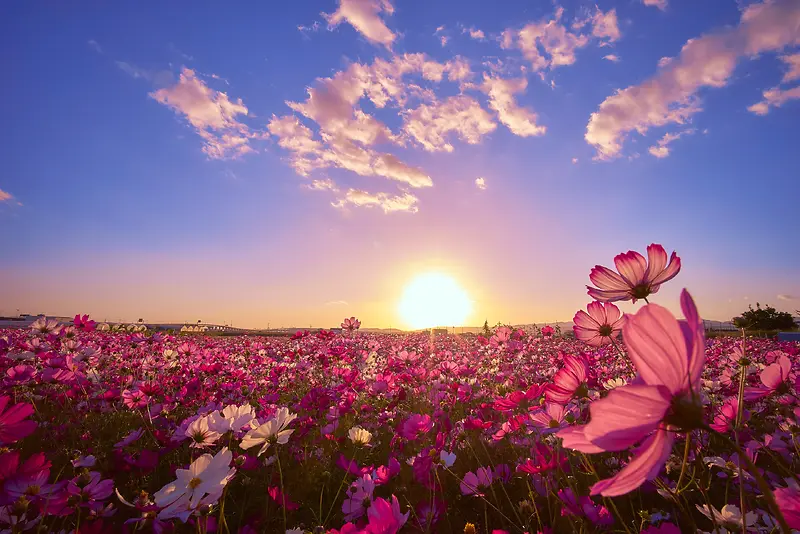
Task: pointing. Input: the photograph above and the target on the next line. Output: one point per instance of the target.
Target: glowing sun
(434, 299)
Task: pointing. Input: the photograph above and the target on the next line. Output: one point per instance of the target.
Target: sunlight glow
(434, 299)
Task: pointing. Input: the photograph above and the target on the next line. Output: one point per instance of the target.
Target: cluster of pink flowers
(635, 423)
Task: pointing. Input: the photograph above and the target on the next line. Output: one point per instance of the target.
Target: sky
(292, 163)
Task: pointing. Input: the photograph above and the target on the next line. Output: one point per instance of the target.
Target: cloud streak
(365, 17)
(707, 61)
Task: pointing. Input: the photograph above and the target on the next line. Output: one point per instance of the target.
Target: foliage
(767, 318)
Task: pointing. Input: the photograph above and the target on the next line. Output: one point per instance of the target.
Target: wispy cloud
(387, 202)
(325, 184)
(661, 148)
(365, 17)
(5, 197)
(337, 303)
(707, 61)
(211, 113)
(480, 183)
(95, 46)
(660, 4)
(786, 297)
(611, 57)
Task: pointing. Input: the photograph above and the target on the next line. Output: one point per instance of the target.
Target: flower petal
(626, 416)
(649, 460)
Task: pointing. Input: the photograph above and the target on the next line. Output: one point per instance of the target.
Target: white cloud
(430, 125)
(574, 161)
(786, 297)
(212, 114)
(612, 57)
(337, 303)
(661, 148)
(520, 120)
(605, 25)
(325, 184)
(546, 43)
(660, 4)
(365, 17)
(793, 62)
(388, 203)
(475, 33)
(4, 196)
(775, 98)
(480, 183)
(133, 71)
(708, 61)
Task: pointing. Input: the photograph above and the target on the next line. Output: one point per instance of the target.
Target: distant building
(439, 331)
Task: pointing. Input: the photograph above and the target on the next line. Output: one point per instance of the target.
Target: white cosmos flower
(447, 458)
(232, 418)
(43, 325)
(273, 431)
(201, 434)
(201, 484)
(730, 515)
(359, 436)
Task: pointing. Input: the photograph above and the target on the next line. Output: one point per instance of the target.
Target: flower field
(634, 424)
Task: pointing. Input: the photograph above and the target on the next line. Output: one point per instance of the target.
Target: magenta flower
(600, 326)
(597, 514)
(637, 277)
(726, 418)
(416, 426)
(788, 500)
(83, 323)
(473, 482)
(547, 331)
(385, 517)
(669, 356)
(134, 399)
(568, 380)
(774, 378)
(12, 425)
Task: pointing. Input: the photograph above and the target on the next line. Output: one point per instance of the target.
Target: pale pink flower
(568, 380)
(775, 377)
(351, 324)
(669, 356)
(600, 326)
(473, 482)
(637, 277)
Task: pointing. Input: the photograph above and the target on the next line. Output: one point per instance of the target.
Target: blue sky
(151, 160)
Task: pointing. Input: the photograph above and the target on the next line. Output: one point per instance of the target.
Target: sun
(434, 299)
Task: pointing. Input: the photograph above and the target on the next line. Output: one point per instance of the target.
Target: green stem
(283, 495)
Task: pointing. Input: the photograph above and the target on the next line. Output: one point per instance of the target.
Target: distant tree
(487, 332)
(767, 318)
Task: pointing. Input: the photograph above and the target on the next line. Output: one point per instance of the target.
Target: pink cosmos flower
(669, 356)
(351, 324)
(416, 426)
(547, 331)
(359, 497)
(583, 506)
(788, 500)
(473, 482)
(568, 380)
(775, 378)
(134, 399)
(637, 277)
(385, 517)
(12, 425)
(550, 418)
(84, 323)
(279, 497)
(543, 459)
(600, 326)
(726, 418)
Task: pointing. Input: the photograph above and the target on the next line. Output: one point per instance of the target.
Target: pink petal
(669, 273)
(584, 320)
(597, 312)
(656, 261)
(626, 416)
(605, 278)
(657, 346)
(649, 460)
(771, 376)
(695, 338)
(608, 295)
(631, 266)
(612, 313)
(574, 438)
